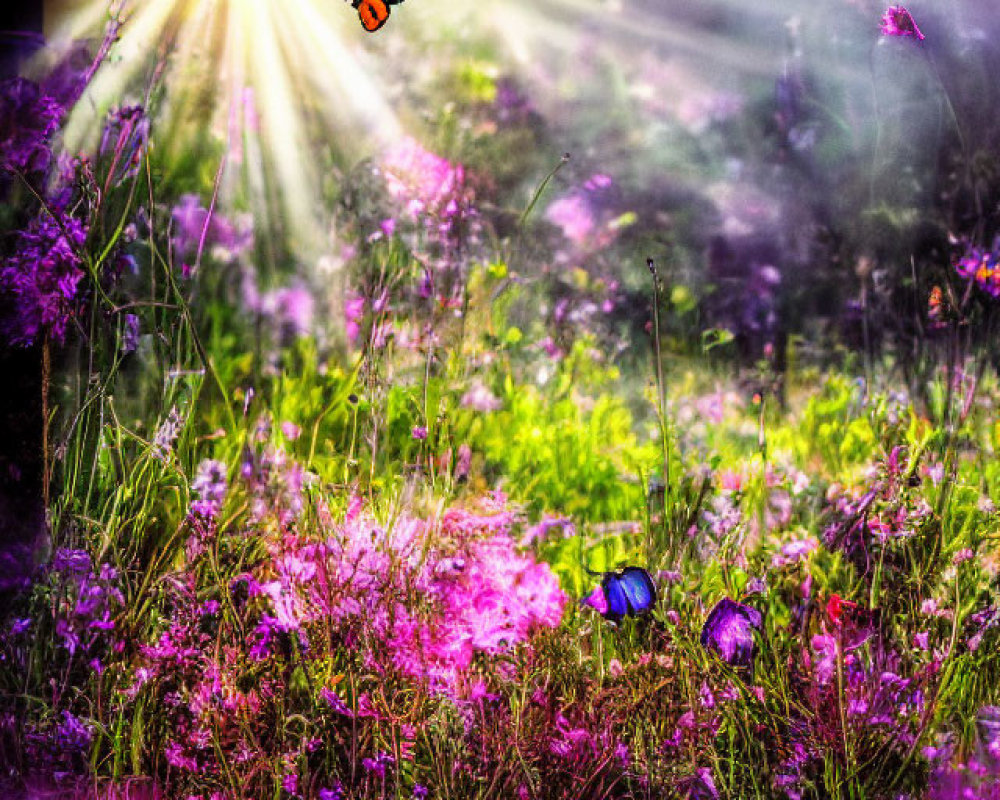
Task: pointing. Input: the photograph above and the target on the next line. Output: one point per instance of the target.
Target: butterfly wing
(639, 589)
(373, 14)
(614, 594)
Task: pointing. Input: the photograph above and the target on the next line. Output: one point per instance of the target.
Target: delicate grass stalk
(848, 759)
(661, 398)
(541, 188)
(46, 456)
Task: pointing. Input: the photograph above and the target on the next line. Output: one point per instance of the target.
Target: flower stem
(661, 397)
(46, 380)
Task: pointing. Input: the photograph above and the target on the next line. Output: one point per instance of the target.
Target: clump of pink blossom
(428, 595)
(430, 188)
(585, 214)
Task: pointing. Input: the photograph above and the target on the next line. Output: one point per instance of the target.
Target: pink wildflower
(897, 22)
(354, 310)
(596, 600)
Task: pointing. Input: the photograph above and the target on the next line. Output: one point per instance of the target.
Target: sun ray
(278, 88)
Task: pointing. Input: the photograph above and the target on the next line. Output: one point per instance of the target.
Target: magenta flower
(430, 188)
(825, 661)
(584, 213)
(377, 766)
(573, 215)
(420, 432)
(596, 600)
(354, 311)
(897, 22)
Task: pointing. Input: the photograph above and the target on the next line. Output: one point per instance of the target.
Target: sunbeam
(297, 83)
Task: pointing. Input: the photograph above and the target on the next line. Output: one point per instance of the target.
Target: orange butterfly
(374, 13)
(934, 304)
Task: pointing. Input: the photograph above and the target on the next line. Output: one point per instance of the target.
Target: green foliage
(562, 450)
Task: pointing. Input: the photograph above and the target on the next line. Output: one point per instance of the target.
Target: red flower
(897, 22)
(835, 607)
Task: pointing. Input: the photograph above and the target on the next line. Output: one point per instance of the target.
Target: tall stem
(46, 379)
(661, 389)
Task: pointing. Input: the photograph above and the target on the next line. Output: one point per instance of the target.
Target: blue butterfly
(628, 593)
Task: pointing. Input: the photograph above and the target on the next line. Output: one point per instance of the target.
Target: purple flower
(72, 734)
(71, 562)
(699, 786)
(210, 485)
(971, 261)
(981, 265)
(28, 120)
(511, 103)
(377, 766)
(124, 141)
(729, 632)
(41, 277)
(336, 703)
(19, 625)
(897, 22)
(420, 432)
(419, 791)
(130, 334)
(798, 548)
(336, 793)
(463, 461)
(190, 223)
(292, 309)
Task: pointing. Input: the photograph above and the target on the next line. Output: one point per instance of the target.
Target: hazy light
(252, 75)
(284, 89)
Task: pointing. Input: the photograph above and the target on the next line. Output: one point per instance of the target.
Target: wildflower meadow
(572, 399)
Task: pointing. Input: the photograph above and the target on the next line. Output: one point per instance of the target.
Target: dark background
(22, 516)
